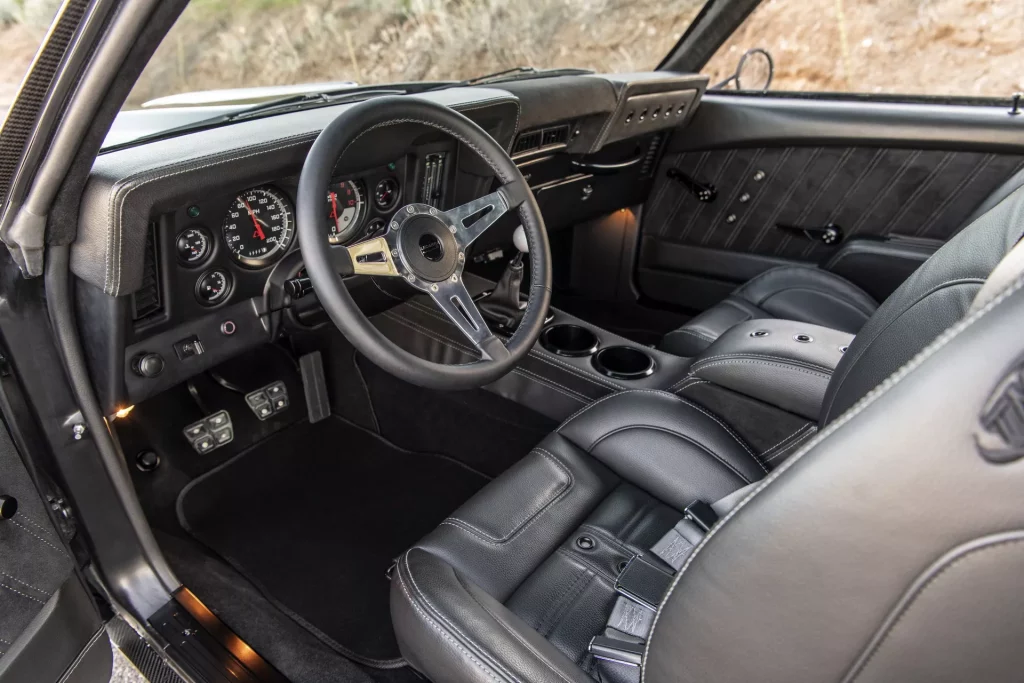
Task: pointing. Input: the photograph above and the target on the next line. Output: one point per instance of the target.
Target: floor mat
(313, 517)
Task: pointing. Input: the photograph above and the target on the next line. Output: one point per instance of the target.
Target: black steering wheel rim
(326, 264)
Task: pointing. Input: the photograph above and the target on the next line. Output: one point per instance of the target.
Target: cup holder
(569, 340)
(623, 362)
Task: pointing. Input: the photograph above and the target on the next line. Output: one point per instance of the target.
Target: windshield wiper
(516, 74)
(281, 105)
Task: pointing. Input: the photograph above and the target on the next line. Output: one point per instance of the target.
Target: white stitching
(799, 429)
(701, 335)
(686, 383)
(532, 517)
(434, 625)
(604, 398)
(81, 656)
(544, 380)
(25, 583)
(721, 424)
(762, 362)
(36, 536)
(862, 349)
(754, 354)
(859, 407)
(24, 595)
(790, 446)
(887, 627)
(582, 374)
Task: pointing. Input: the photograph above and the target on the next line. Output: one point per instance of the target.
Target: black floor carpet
(314, 516)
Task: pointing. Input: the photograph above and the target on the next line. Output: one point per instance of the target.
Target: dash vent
(555, 136)
(147, 302)
(540, 138)
(527, 141)
(432, 191)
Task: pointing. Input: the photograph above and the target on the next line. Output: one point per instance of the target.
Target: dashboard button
(228, 327)
(148, 365)
(189, 347)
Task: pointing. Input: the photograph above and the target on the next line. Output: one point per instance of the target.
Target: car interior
(579, 377)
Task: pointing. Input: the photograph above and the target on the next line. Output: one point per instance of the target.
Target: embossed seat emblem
(1001, 436)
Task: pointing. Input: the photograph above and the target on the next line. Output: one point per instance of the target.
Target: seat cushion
(801, 293)
(505, 590)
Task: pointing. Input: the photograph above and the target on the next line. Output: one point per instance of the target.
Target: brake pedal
(314, 384)
(210, 433)
(268, 401)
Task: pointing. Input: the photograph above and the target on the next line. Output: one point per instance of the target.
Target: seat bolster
(811, 295)
(467, 636)
(504, 532)
(671, 447)
(700, 331)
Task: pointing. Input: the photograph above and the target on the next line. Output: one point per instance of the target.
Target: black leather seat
(802, 293)
(803, 583)
(805, 294)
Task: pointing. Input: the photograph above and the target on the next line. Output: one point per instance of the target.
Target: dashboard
(187, 251)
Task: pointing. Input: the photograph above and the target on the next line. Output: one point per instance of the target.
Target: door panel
(49, 626)
(894, 203)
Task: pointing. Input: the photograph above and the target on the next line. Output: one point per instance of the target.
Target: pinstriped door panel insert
(866, 191)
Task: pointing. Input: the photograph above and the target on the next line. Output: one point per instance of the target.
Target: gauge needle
(255, 221)
(334, 206)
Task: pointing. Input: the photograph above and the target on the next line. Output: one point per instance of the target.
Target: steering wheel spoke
(473, 218)
(452, 297)
(372, 257)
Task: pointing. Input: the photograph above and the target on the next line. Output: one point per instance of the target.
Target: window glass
(969, 48)
(219, 44)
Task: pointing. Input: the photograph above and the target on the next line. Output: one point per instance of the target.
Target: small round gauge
(345, 211)
(213, 287)
(386, 193)
(193, 246)
(259, 226)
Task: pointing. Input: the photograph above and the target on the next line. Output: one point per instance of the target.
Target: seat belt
(642, 584)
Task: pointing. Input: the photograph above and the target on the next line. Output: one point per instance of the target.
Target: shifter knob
(519, 239)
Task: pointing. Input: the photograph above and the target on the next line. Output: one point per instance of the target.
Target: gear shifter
(502, 307)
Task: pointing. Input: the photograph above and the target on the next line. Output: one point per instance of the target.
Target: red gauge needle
(334, 206)
(259, 230)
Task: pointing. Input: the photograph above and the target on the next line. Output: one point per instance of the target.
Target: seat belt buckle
(618, 651)
(701, 514)
(643, 582)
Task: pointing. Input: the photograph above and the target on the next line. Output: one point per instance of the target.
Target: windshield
(219, 45)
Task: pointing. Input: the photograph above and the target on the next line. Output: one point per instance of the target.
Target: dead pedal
(314, 385)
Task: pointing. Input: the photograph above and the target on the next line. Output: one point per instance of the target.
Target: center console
(573, 364)
(783, 363)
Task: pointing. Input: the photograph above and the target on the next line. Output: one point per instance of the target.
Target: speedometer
(259, 226)
(345, 211)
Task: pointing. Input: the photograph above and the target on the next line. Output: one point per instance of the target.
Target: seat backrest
(936, 296)
(891, 548)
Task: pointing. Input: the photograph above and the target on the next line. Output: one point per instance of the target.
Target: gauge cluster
(225, 247)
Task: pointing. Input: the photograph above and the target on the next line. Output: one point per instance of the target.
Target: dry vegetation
(968, 47)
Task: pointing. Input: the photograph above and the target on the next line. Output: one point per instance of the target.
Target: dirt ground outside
(931, 47)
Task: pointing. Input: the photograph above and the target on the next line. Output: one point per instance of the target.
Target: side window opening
(962, 48)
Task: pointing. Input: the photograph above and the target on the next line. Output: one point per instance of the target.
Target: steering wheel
(423, 245)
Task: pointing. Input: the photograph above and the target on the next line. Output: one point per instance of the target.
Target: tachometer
(259, 226)
(345, 211)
